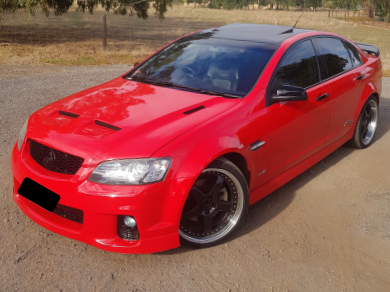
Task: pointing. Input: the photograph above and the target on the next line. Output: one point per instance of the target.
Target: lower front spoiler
(83, 233)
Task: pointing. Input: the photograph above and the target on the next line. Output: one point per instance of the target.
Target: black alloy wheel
(366, 125)
(215, 206)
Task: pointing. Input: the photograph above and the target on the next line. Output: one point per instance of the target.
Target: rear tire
(215, 206)
(366, 124)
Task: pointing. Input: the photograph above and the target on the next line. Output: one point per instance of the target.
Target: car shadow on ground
(274, 204)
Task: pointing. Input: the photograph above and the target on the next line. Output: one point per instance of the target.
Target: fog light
(129, 221)
(127, 228)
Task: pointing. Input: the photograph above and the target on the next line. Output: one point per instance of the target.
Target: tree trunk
(387, 19)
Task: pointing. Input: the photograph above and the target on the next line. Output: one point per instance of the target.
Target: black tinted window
(335, 55)
(355, 56)
(206, 64)
(298, 68)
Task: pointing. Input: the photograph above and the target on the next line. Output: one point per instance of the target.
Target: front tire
(366, 124)
(215, 206)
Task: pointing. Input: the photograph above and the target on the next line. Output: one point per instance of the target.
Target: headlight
(131, 171)
(22, 134)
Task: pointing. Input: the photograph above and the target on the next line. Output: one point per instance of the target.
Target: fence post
(345, 15)
(329, 14)
(387, 19)
(104, 32)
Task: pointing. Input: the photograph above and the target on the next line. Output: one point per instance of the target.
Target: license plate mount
(38, 194)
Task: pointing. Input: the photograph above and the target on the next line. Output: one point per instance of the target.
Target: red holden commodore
(174, 151)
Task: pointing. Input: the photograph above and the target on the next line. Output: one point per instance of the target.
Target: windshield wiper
(151, 81)
(160, 82)
(220, 94)
(203, 91)
(170, 84)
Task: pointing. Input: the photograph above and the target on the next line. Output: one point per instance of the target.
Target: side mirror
(290, 93)
(135, 64)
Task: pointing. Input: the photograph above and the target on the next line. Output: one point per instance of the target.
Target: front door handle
(322, 96)
(360, 77)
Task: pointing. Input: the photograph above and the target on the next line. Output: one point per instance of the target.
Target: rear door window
(335, 55)
(355, 56)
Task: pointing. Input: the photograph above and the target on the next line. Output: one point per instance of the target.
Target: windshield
(205, 64)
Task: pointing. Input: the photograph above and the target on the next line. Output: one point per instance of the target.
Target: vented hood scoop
(103, 124)
(196, 109)
(68, 114)
(123, 119)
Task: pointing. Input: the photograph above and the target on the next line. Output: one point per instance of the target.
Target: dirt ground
(327, 230)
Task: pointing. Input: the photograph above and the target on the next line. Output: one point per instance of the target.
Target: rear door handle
(360, 77)
(322, 96)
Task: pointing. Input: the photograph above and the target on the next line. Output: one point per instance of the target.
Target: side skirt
(267, 188)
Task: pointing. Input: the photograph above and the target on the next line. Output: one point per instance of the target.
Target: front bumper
(156, 207)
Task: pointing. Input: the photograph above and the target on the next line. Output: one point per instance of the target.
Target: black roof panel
(259, 33)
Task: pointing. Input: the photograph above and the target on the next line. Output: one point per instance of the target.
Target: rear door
(345, 77)
(298, 128)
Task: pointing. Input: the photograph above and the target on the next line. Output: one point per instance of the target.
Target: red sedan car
(174, 151)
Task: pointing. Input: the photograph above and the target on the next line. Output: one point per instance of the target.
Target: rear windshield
(206, 64)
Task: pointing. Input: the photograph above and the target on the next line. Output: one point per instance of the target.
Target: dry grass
(75, 38)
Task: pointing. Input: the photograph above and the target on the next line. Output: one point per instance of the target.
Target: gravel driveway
(327, 230)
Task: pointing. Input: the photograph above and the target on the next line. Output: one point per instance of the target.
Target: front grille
(125, 232)
(69, 213)
(54, 160)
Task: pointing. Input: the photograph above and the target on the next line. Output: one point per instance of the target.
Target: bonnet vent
(68, 114)
(194, 110)
(103, 124)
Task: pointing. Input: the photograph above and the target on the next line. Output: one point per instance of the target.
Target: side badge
(348, 122)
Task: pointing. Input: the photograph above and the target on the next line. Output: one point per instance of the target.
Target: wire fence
(77, 27)
(361, 16)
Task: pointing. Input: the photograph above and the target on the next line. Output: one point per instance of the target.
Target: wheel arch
(239, 161)
(369, 90)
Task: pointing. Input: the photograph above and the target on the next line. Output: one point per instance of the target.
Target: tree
(62, 6)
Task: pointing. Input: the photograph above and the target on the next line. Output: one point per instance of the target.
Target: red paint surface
(297, 135)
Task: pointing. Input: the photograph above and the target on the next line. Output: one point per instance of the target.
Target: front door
(298, 128)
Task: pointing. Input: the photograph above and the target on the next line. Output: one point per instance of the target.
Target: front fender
(233, 132)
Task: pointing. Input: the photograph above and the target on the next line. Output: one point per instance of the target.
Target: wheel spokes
(197, 194)
(363, 130)
(190, 214)
(207, 223)
(216, 189)
(225, 206)
(210, 202)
